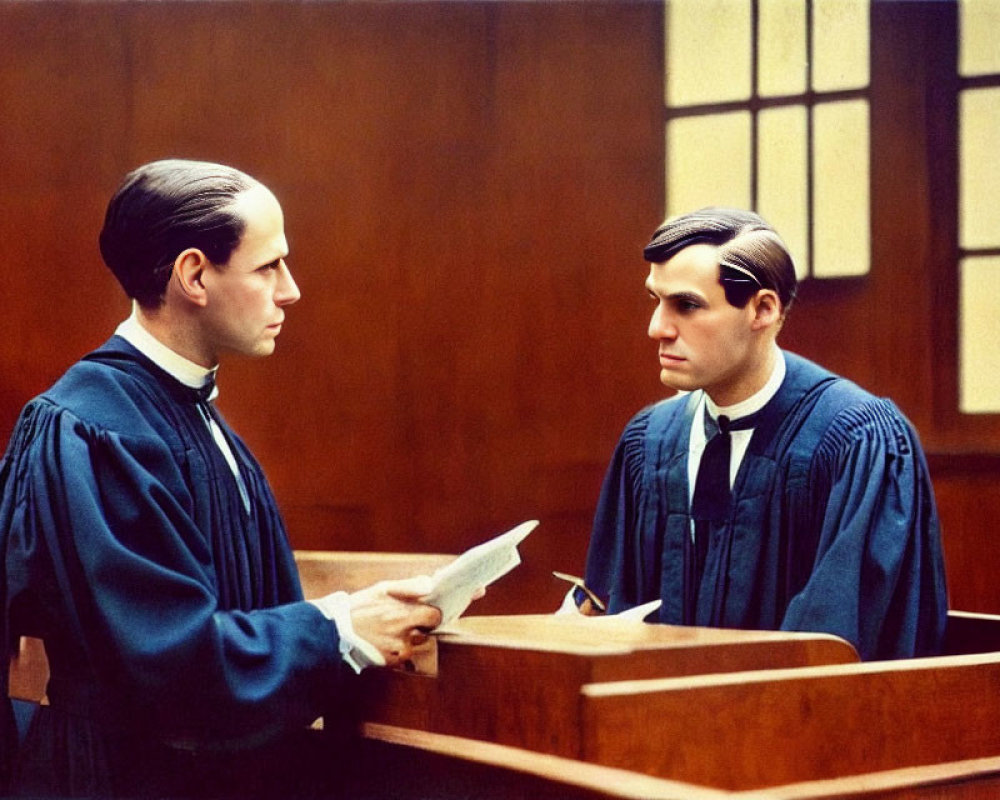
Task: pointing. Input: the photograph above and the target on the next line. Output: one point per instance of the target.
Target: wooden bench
(762, 729)
(29, 671)
(969, 632)
(415, 764)
(325, 571)
(400, 763)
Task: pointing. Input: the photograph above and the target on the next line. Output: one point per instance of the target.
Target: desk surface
(598, 636)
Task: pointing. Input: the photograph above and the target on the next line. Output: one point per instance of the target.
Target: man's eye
(687, 306)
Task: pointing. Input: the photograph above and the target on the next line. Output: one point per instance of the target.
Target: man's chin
(261, 350)
(675, 382)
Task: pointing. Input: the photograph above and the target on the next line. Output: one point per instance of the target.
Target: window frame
(755, 104)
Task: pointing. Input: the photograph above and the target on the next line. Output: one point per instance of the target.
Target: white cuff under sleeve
(357, 653)
(569, 605)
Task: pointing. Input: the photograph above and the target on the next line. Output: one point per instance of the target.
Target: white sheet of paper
(637, 613)
(457, 582)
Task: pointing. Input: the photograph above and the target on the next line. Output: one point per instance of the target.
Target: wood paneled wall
(467, 188)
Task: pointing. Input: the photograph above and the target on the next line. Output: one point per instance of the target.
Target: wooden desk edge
(613, 782)
(861, 785)
(612, 688)
(476, 631)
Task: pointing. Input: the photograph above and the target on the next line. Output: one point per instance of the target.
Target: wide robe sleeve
(612, 572)
(878, 577)
(625, 555)
(102, 534)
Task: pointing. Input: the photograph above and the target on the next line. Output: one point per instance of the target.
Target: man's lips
(668, 358)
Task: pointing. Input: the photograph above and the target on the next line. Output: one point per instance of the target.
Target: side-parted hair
(751, 254)
(160, 210)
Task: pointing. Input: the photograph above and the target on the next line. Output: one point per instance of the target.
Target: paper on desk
(637, 613)
(456, 583)
(634, 614)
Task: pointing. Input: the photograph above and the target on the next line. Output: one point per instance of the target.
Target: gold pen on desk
(579, 584)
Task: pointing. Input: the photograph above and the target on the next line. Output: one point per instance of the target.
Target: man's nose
(288, 291)
(660, 326)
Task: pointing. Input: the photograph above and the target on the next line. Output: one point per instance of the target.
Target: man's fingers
(409, 588)
(418, 637)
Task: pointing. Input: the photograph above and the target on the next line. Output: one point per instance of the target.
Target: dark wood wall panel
(965, 488)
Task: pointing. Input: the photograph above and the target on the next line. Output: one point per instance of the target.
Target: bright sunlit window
(767, 108)
(978, 213)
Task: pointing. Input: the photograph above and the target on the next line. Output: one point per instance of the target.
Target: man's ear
(767, 309)
(189, 273)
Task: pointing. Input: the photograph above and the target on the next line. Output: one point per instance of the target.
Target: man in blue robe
(142, 542)
(822, 517)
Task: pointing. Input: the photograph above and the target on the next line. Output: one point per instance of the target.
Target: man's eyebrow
(693, 297)
(685, 296)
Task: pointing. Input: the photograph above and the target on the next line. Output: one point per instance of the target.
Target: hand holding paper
(455, 585)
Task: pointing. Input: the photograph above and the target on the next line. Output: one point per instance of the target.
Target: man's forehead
(697, 265)
(263, 239)
(253, 200)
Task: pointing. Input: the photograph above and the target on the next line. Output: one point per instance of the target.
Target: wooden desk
(517, 680)
(901, 730)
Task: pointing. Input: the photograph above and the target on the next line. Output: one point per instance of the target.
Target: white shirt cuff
(358, 653)
(569, 605)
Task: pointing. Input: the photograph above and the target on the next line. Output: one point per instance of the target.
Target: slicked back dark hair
(160, 210)
(751, 254)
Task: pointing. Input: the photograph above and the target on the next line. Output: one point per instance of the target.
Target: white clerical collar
(187, 372)
(757, 400)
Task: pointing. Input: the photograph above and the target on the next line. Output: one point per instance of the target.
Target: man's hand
(390, 616)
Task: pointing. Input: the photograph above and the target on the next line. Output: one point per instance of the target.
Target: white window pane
(707, 51)
(840, 44)
(708, 162)
(979, 168)
(979, 37)
(979, 332)
(841, 228)
(782, 188)
(781, 47)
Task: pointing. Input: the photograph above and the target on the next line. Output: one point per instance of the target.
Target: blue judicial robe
(173, 616)
(833, 526)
